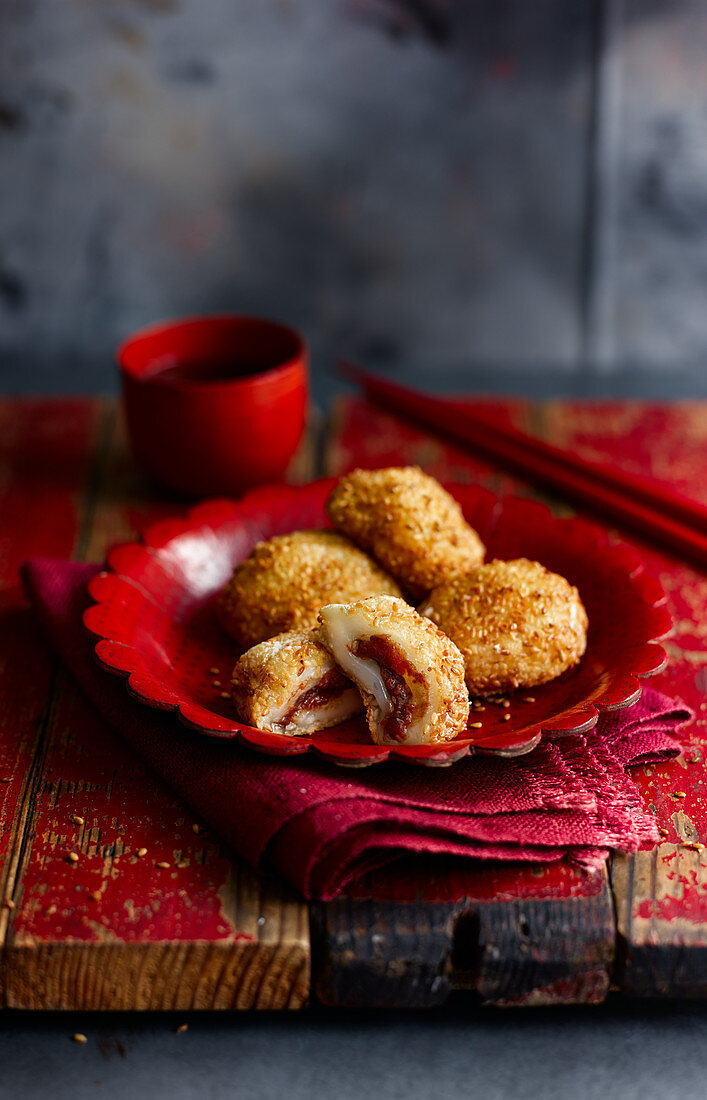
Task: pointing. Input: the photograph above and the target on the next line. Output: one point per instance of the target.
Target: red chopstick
(652, 510)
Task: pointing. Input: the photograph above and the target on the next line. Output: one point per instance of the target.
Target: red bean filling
(331, 685)
(394, 666)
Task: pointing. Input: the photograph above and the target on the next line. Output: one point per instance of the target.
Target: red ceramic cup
(215, 405)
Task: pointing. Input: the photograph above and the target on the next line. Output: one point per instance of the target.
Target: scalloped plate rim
(365, 755)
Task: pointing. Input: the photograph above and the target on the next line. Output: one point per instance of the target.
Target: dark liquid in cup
(210, 370)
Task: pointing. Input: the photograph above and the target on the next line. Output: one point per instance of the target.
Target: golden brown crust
(515, 623)
(270, 678)
(435, 672)
(410, 524)
(284, 582)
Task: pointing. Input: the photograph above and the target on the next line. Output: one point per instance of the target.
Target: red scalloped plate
(155, 616)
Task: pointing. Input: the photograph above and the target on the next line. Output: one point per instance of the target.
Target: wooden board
(540, 936)
(661, 896)
(113, 930)
(520, 935)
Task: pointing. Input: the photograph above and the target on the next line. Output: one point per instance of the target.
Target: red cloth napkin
(321, 826)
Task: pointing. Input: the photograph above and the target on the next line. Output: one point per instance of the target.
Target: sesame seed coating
(269, 679)
(425, 659)
(284, 582)
(410, 524)
(515, 623)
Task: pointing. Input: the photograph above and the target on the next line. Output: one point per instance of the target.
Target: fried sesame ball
(290, 684)
(410, 524)
(411, 676)
(282, 584)
(515, 623)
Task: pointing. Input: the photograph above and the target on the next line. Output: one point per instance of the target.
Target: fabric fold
(322, 827)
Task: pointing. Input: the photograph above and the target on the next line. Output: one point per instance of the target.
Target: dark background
(489, 195)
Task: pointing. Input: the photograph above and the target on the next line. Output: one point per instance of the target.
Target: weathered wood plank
(513, 936)
(38, 514)
(552, 939)
(377, 953)
(543, 936)
(219, 936)
(112, 929)
(411, 934)
(519, 935)
(661, 896)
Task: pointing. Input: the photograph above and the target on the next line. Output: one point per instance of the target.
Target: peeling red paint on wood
(687, 905)
(94, 923)
(39, 514)
(115, 930)
(94, 775)
(515, 903)
(668, 443)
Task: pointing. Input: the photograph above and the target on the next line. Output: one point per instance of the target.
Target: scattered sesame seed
(505, 718)
(76, 819)
(529, 699)
(663, 832)
(6, 779)
(95, 895)
(505, 703)
(679, 794)
(79, 1038)
(475, 725)
(694, 845)
(225, 695)
(182, 1027)
(72, 857)
(182, 864)
(141, 852)
(50, 910)
(694, 760)
(9, 903)
(195, 828)
(215, 671)
(217, 683)
(164, 865)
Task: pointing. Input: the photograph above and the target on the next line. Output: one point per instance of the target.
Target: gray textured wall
(513, 192)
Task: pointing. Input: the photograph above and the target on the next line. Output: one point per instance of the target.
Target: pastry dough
(410, 675)
(290, 684)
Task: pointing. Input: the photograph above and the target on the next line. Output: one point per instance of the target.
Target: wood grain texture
(94, 924)
(523, 935)
(661, 896)
(39, 513)
(539, 938)
(546, 941)
(662, 922)
(114, 930)
(378, 953)
(409, 935)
